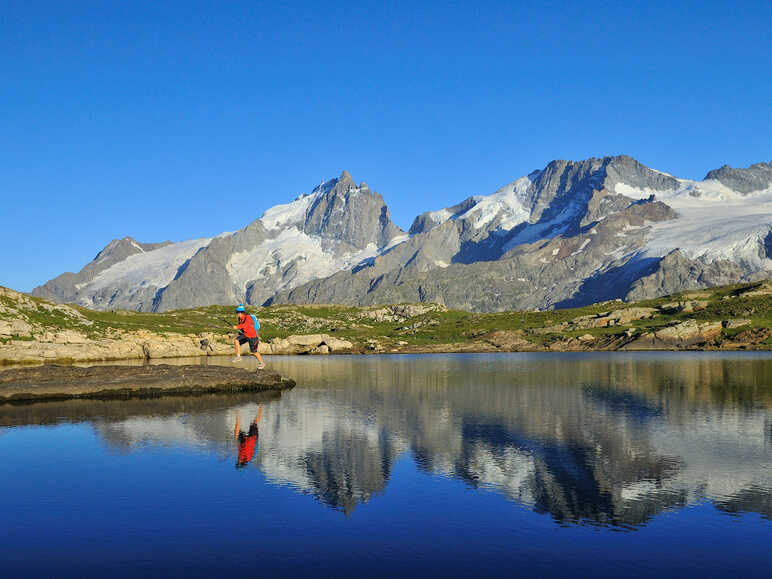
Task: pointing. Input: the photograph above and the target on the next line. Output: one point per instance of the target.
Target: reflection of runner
(247, 441)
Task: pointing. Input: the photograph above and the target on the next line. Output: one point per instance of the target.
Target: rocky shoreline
(499, 341)
(33, 331)
(54, 382)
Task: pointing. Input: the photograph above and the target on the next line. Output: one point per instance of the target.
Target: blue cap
(241, 308)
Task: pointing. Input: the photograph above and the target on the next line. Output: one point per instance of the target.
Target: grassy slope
(448, 327)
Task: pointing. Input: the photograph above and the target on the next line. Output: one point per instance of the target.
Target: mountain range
(569, 234)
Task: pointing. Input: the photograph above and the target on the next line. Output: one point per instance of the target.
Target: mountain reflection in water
(606, 439)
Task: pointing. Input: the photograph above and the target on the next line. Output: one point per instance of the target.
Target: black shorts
(253, 431)
(253, 342)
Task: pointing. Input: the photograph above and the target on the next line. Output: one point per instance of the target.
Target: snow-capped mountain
(569, 234)
(335, 227)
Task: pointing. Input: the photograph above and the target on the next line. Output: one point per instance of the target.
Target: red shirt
(247, 325)
(247, 449)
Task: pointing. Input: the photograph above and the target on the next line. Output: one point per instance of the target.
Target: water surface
(527, 464)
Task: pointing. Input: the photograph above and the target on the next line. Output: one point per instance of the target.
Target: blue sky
(174, 120)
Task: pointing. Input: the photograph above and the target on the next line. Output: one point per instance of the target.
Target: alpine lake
(604, 464)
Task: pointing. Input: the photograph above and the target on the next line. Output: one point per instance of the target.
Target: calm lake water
(450, 465)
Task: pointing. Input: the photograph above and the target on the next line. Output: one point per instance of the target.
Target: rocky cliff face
(570, 234)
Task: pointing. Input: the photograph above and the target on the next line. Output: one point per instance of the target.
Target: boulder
(684, 334)
(307, 340)
(620, 317)
(307, 343)
(69, 337)
(684, 307)
(337, 345)
(15, 327)
(690, 332)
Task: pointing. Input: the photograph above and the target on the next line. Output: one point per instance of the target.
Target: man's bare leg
(260, 364)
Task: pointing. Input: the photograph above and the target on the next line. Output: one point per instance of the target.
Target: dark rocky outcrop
(52, 382)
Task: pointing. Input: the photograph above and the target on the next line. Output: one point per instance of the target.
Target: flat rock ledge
(53, 382)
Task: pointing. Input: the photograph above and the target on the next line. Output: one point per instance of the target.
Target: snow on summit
(509, 203)
(294, 213)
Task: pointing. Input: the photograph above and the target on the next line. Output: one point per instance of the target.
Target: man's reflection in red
(248, 447)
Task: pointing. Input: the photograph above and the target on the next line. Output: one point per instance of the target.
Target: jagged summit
(571, 233)
(757, 177)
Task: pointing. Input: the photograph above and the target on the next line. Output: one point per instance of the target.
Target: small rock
(373, 346)
(732, 324)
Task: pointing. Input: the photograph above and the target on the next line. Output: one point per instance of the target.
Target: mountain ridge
(569, 234)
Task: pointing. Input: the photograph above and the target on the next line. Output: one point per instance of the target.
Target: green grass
(351, 323)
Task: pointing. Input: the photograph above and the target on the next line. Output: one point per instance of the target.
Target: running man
(248, 447)
(247, 328)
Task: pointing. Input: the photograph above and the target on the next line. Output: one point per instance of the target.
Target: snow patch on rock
(294, 213)
(508, 203)
(292, 245)
(156, 268)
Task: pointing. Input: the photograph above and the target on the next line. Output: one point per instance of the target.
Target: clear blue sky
(173, 120)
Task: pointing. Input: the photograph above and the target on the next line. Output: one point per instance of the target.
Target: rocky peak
(757, 177)
(352, 215)
(625, 169)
